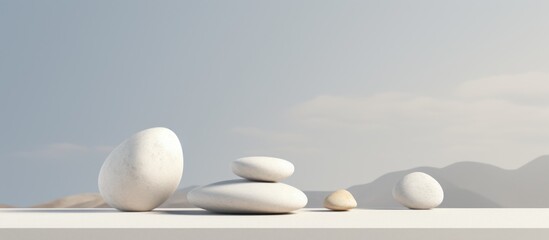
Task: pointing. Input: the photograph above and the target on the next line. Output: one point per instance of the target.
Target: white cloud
(528, 85)
(479, 118)
(368, 136)
(62, 150)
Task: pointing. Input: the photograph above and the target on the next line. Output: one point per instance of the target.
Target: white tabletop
(306, 218)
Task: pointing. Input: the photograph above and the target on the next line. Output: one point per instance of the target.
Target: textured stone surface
(340, 200)
(243, 196)
(143, 171)
(266, 169)
(418, 190)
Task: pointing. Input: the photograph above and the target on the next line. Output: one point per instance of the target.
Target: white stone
(267, 169)
(418, 190)
(244, 196)
(143, 171)
(340, 200)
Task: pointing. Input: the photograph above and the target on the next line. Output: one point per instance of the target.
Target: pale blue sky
(347, 90)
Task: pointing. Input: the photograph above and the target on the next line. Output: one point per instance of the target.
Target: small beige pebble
(340, 200)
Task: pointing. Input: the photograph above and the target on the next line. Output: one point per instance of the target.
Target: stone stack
(259, 192)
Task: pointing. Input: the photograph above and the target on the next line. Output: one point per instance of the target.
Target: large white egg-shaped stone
(243, 196)
(418, 190)
(267, 169)
(143, 171)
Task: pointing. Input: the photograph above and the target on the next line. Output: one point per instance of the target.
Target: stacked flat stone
(259, 191)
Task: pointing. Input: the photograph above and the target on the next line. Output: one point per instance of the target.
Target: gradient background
(346, 90)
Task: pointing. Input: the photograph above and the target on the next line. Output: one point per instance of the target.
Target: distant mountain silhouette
(469, 185)
(378, 194)
(94, 200)
(85, 200)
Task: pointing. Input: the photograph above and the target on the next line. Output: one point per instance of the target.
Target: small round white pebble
(418, 190)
